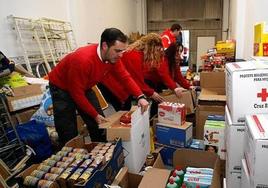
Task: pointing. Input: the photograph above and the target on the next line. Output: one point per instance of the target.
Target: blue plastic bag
(36, 136)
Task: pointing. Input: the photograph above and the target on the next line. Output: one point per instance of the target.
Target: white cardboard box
(136, 138)
(256, 149)
(246, 89)
(234, 141)
(171, 113)
(245, 181)
(233, 179)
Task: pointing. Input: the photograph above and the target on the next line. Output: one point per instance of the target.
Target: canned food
(62, 153)
(68, 149)
(97, 147)
(110, 150)
(66, 173)
(49, 162)
(76, 174)
(102, 152)
(38, 173)
(108, 144)
(76, 163)
(80, 150)
(43, 167)
(50, 176)
(86, 175)
(30, 181)
(67, 159)
(56, 157)
(45, 184)
(56, 170)
(62, 164)
(86, 163)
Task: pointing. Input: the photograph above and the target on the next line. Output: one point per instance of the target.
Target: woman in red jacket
(142, 59)
(174, 58)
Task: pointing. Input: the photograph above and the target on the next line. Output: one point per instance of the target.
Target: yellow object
(227, 46)
(100, 97)
(13, 80)
(260, 33)
(260, 39)
(152, 140)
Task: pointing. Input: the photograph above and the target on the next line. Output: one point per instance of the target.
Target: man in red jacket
(169, 35)
(72, 79)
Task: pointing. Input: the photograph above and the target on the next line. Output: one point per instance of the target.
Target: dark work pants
(64, 109)
(158, 88)
(113, 100)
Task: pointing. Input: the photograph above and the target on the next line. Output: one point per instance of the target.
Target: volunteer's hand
(143, 103)
(157, 97)
(100, 119)
(178, 91)
(192, 88)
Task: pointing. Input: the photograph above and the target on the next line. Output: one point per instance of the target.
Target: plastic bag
(36, 136)
(45, 113)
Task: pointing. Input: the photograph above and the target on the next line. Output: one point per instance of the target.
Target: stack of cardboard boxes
(246, 84)
(172, 130)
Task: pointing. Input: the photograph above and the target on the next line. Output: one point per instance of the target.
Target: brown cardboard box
(211, 100)
(212, 86)
(158, 176)
(25, 115)
(202, 112)
(126, 179)
(24, 97)
(188, 98)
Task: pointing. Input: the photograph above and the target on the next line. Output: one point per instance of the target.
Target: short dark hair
(110, 35)
(175, 27)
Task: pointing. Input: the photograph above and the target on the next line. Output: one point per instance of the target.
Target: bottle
(149, 160)
(172, 184)
(183, 185)
(176, 178)
(178, 170)
(197, 186)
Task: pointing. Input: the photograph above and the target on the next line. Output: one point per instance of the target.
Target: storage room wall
(243, 16)
(88, 18)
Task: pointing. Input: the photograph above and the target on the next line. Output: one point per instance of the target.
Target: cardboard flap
(127, 180)
(112, 119)
(155, 177)
(197, 158)
(212, 94)
(25, 91)
(188, 98)
(212, 80)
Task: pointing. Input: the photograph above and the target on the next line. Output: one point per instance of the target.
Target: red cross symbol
(263, 95)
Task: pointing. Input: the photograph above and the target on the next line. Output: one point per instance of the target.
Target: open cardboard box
(104, 175)
(136, 137)
(188, 98)
(158, 176)
(212, 86)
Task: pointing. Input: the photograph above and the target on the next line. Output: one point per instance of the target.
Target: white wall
(30, 9)
(244, 14)
(88, 17)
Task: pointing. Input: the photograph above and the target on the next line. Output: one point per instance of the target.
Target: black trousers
(64, 109)
(113, 100)
(158, 88)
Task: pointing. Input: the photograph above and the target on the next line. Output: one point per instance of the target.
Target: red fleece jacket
(82, 69)
(167, 38)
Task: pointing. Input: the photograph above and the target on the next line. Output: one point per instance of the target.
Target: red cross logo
(263, 95)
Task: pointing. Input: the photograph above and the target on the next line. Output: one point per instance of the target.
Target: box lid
(247, 65)
(257, 125)
(155, 177)
(184, 126)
